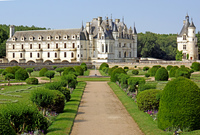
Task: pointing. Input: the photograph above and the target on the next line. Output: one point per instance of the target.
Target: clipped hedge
(32, 81)
(161, 74)
(179, 105)
(152, 71)
(68, 70)
(135, 72)
(146, 100)
(196, 66)
(58, 102)
(5, 127)
(133, 82)
(43, 71)
(147, 86)
(183, 71)
(21, 74)
(115, 73)
(79, 70)
(145, 68)
(103, 65)
(172, 71)
(169, 67)
(147, 75)
(66, 93)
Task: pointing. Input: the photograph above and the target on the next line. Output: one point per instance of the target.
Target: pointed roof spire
(82, 28)
(134, 29)
(123, 19)
(192, 24)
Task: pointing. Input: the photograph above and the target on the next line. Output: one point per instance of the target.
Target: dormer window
(184, 37)
(40, 38)
(78, 37)
(65, 37)
(48, 37)
(14, 38)
(22, 38)
(31, 38)
(57, 37)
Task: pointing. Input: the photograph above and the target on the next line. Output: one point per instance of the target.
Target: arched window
(102, 47)
(20, 55)
(119, 54)
(72, 54)
(55, 55)
(30, 55)
(106, 48)
(48, 54)
(78, 55)
(124, 54)
(65, 54)
(38, 55)
(13, 55)
(73, 45)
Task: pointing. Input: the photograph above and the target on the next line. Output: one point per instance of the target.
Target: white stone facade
(100, 41)
(187, 40)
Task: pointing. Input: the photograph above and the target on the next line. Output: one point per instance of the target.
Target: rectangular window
(20, 55)
(22, 46)
(48, 46)
(119, 54)
(30, 46)
(119, 44)
(30, 55)
(39, 46)
(184, 37)
(65, 54)
(81, 55)
(55, 55)
(13, 46)
(73, 45)
(184, 47)
(38, 55)
(56, 45)
(65, 45)
(13, 55)
(48, 55)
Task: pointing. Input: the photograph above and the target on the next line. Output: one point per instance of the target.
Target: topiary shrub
(32, 81)
(21, 74)
(79, 70)
(179, 105)
(115, 73)
(196, 66)
(68, 70)
(29, 70)
(169, 67)
(66, 92)
(135, 72)
(5, 72)
(110, 70)
(126, 67)
(134, 83)
(103, 65)
(183, 71)
(84, 66)
(161, 74)
(59, 70)
(105, 70)
(145, 68)
(147, 86)
(172, 71)
(22, 116)
(8, 77)
(49, 74)
(147, 75)
(58, 102)
(5, 127)
(123, 80)
(152, 71)
(191, 71)
(43, 71)
(182, 66)
(146, 100)
(70, 80)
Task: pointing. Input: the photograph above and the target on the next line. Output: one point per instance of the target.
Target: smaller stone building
(187, 40)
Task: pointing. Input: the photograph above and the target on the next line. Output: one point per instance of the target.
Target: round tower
(191, 30)
(12, 30)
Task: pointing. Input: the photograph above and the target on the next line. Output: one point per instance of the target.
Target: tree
(21, 74)
(9, 76)
(29, 70)
(179, 55)
(50, 74)
(59, 70)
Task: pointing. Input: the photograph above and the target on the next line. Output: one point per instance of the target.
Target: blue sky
(158, 16)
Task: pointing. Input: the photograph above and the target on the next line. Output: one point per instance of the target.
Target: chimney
(99, 21)
(88, 27)
(117, 21)
(12, 30)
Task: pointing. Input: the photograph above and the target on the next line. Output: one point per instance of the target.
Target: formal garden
(160, 100)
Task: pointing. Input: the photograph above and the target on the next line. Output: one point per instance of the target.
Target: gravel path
(101, 113)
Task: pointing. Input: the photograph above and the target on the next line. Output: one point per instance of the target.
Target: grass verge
(64, 121)
(144, 121)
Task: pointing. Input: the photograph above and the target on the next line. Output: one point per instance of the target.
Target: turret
(117, 21)
(191, 29)
(99, 21)
(12, 30)
(88, 27)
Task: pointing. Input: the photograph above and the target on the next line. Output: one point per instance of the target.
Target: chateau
(99, 41)
(187, 41)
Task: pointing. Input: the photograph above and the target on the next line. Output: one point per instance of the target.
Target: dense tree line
(162, 46)
(4, 35)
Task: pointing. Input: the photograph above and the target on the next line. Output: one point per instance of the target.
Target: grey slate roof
(192, 24)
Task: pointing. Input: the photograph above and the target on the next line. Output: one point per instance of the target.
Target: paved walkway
(101, 113)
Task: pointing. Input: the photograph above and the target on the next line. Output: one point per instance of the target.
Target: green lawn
(64, 121)
(102, 73)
